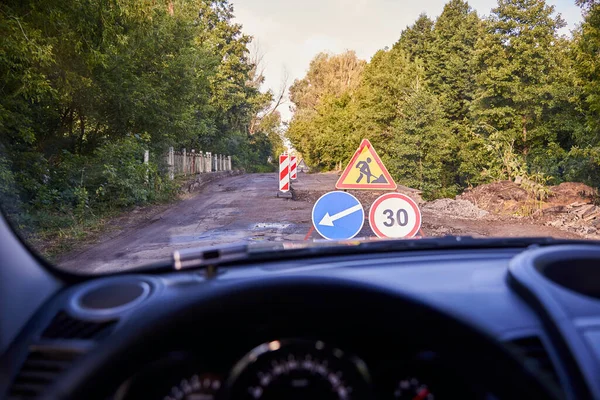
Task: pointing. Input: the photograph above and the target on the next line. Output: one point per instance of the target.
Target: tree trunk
(73, 143)
(421, 172)
(420, 165)
(71, 122)
(81, 131)
(525, 147)
(63, 118)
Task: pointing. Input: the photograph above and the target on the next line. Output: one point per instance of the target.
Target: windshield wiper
(210, 258)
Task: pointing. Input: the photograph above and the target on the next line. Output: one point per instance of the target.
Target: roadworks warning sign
(366, 171)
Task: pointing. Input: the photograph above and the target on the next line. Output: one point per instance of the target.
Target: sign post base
(285, 195)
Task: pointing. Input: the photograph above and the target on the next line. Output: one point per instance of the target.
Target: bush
(8, 193)
(548, 161)
(119, 179)
(264, 168)
(582, 165)
(67, 190)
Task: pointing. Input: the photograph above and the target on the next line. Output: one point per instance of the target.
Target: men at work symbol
(365, 170)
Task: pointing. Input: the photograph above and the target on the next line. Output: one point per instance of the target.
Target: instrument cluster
(296, 369)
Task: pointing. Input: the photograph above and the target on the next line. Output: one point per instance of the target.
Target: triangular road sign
(365, 171)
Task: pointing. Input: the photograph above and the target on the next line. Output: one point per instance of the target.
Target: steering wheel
(223, 311)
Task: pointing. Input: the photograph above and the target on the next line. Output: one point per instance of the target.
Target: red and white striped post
(284, 173)
(293, 168)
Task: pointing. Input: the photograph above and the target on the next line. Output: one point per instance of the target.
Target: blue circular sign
(338, 216)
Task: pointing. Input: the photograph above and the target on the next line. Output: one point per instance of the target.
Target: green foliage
(327, 75)
(253, 156)
(475, 158)
(118, 177)
(323, 128)
(270, 126)
(421, 146)
(462, 101)
(548, 162)
(415, 40)
(583, 165)
(89, 85)
(448, 61)
(329, 136)
(388, 79)
(587, 65)
(8, 190)
(518, 66)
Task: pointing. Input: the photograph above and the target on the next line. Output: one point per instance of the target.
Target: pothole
(270, 225)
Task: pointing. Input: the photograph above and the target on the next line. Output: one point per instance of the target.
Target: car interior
(432, 319)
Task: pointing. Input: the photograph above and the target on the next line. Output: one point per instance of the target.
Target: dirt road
(245, 208)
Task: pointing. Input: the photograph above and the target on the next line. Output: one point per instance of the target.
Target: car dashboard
(227, 336)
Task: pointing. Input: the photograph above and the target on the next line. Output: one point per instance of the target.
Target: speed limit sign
(395, 215)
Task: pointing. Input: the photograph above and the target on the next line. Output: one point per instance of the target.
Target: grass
(56, 233)
(59, 233)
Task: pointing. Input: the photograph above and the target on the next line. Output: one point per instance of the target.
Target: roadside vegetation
(88, 85)
(462, 100)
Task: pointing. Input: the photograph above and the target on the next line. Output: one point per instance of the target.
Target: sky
(288, 33)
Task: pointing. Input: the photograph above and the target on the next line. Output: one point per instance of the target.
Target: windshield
(132, 129)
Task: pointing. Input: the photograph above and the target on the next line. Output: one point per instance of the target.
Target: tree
(587, 4)
(405, 122)
(323, 101)
(582, 162)
(421, 146)
(464, 101)
(333, 132)
(234, 100)
(89, 85)
(387, 81)
(416, 39)
(327, 75)
(267, 110)
(587, 65)
(449, 71)
(517, 62)
(24, 86)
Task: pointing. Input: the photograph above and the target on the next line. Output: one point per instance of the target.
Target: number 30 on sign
(395, 215)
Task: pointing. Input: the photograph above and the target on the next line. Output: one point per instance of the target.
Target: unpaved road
(245, 208)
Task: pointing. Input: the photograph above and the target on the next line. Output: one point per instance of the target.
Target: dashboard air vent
(39, 370)
(536, 356)
(63, 326)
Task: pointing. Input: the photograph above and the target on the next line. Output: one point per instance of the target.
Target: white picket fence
(192, 162)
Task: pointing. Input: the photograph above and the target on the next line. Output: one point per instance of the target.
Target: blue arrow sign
(338, 216)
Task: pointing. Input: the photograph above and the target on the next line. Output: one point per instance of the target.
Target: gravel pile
(455, 209)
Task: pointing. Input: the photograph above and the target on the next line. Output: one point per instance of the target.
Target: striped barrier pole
(293, 168)
(284, 173)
